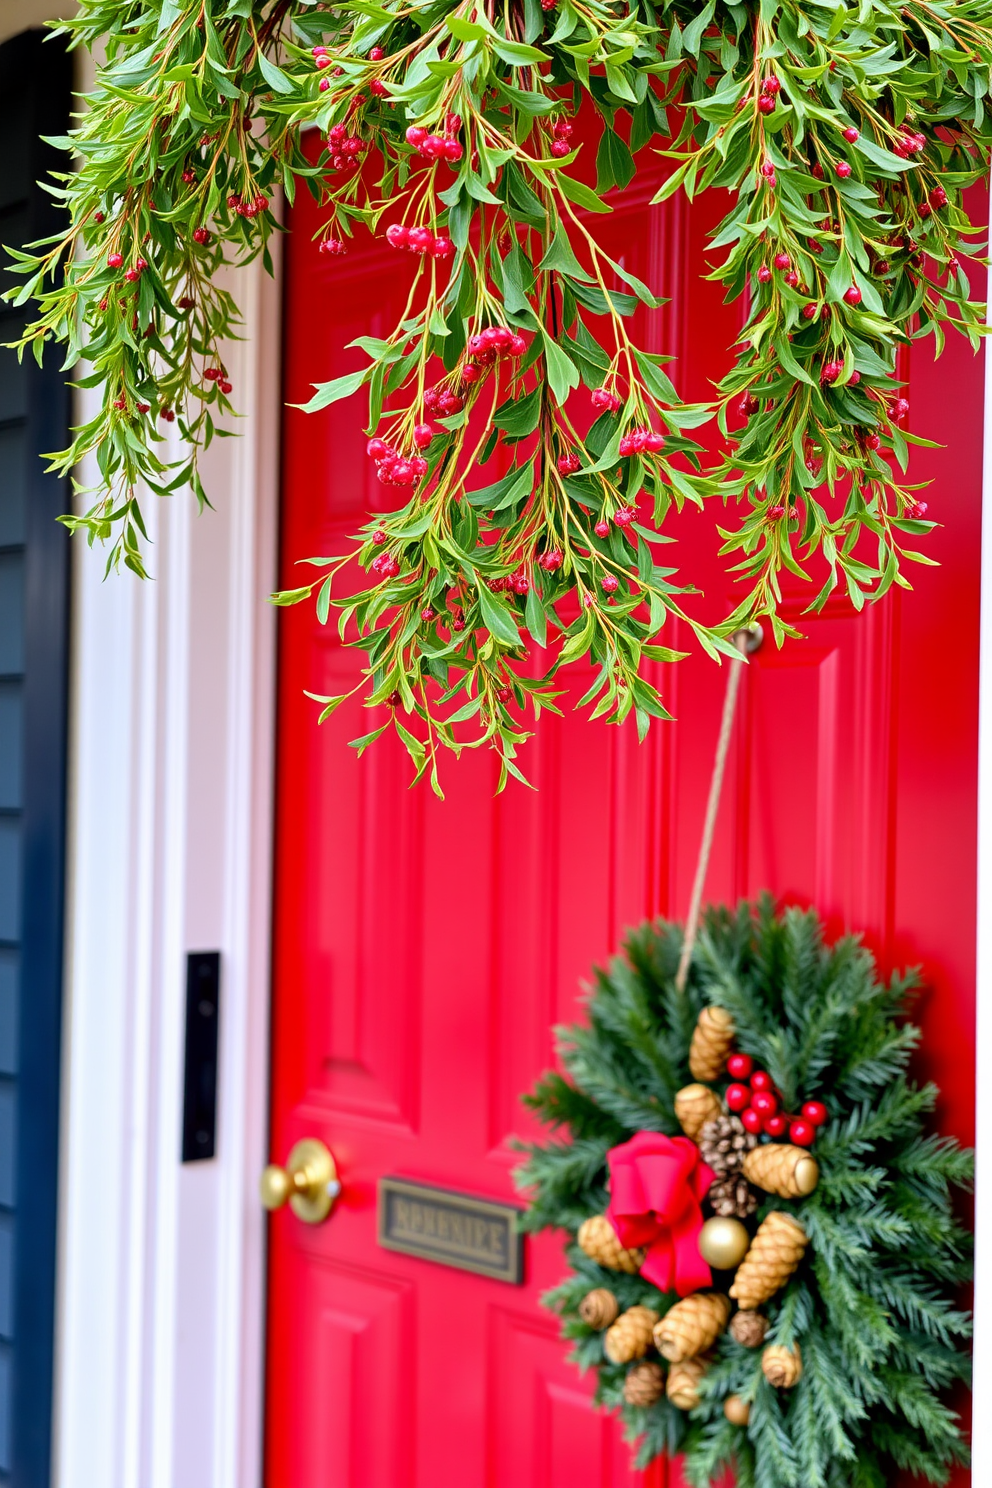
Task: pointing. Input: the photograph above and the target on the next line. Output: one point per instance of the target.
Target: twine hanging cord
(747, 640)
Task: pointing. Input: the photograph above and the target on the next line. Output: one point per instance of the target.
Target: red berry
(560, 148)
(817, 171)
(451, 150)
(815, 1112)
(762, 1080)
(739, 1066)
(802, 1134)
(114, 260)
(420, 239)
(225, 387)
(771, 85)
(323, 60)
(602, 528)
(752, 1121)
(324, 84)
(427, 615)
(471, 373)
(415, 136)
(504, 694)
(782, 261)
(900, 407)
(776, 1126)
(843, 169)
(98, 217)
(853, 295)
(625, 515)
(776, 511)
(873, 442)
(764, 274)
(916, 510)
(201, 235)
(792, 279)
(378, 88)
(738, 1097)
(569, 464)
(809, 311)
(764, 1103)
(397, 236)
(851, 134)
(766, 103)
(377, 448)
(610, 584)
(551, 560)
(422, 435)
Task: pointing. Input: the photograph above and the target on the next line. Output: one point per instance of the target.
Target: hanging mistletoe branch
(847, 140)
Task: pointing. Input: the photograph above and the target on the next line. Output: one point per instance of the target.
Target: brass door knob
(309, 1181)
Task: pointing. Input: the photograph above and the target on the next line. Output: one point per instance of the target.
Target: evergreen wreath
(847, 137)
(839, 1380)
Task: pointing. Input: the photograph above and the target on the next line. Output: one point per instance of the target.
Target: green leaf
(497, 618)
(614, 162)
(519, 416)
(579, 193)
(273, 75)
(563, 374)
(333, 392)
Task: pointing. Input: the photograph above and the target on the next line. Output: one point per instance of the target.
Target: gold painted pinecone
(598, 1239)
(732, 1197)
(724, 1144)
(599, 1308)
(630, 1336)
(776, 1251)
(749, 1329)
(695, 1107)
(645, 1383)
(782, 1367)
(691, 1326)
(711, 1041)
(683, 1382)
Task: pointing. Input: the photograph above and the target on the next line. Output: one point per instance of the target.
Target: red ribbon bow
(656, 1184)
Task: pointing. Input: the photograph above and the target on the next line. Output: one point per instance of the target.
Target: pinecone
(691, 1326)
(598, 1239)
(776, 1251)
(599, 1308)
(749, 1329)
(695, 1107)
(781, 1169)
(683, 1382)
(711, 1041)
(724, 1144)
(732, 1197)
(630, 1336)
(645, 1383)
(782, 1367)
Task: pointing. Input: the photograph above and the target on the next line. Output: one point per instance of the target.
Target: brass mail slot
(454, 1229)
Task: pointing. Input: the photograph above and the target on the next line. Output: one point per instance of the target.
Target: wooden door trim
(161, 1276)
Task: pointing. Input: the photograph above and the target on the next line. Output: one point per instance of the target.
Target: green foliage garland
(871, 1305)
(846, 135)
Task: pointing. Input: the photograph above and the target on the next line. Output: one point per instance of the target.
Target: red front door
(424, 949)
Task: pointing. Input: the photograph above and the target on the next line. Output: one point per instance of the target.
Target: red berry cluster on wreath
(393, 468)
(419, 240)
(758, 1105)
(569, 464)
(766, 99)
(495, 342)
(332, 246)
(562, 131)
(437, 146)
(910, 144)
(640, 440)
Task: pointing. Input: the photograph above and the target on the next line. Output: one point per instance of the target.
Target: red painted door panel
(425, 949)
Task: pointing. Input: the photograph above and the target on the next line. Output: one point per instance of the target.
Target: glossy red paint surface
(425, 949)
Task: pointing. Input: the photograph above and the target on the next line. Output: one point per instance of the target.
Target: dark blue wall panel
(35, 99)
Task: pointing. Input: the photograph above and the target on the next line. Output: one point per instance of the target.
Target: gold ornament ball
(736, 1410)
(723, 1243)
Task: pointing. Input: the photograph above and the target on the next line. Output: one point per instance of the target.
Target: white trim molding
(159, 1379)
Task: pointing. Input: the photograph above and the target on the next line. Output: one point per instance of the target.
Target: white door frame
(161, 1278)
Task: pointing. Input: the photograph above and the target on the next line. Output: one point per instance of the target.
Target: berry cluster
(441, 402)
(639, 441)
(393, 468)
(495, 342)
(910, 144)
(385, 565)
(517, 583)
(758, 1105)
(346, 150)
(770, 89)
(569, 464)
(332, 246)
(605, 401)
(830, 372)
(218, 375)
(437, 146)
(562, 131)
(248, 207)
(419, 240)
